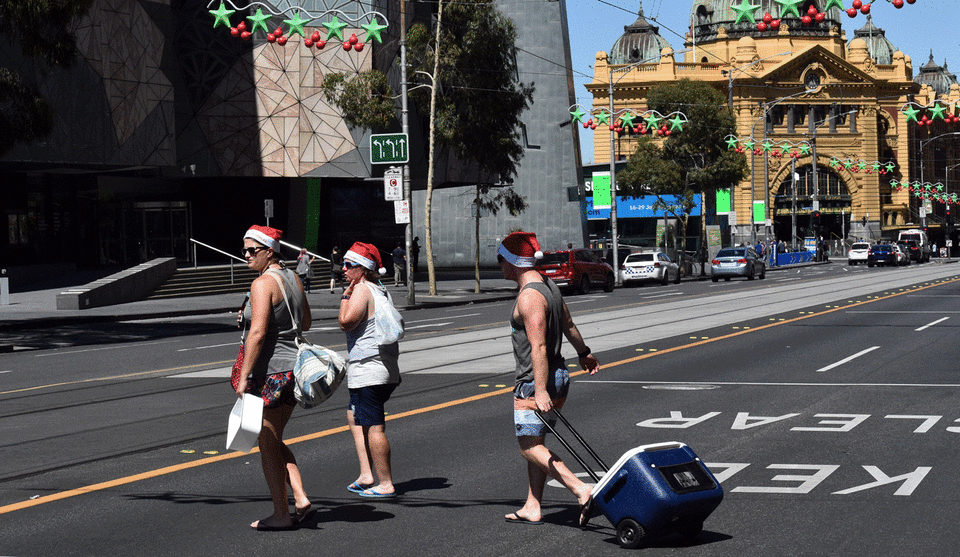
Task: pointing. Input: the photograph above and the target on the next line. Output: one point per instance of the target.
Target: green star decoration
(939, 187)
(222, 15)
(335, 28)
(296, 24)
(862, 166)
(627, 120)
(895, 184)
(652, 122)
(677, 123)
(805, 149)
(927, 187)
(731, 143)
(745, 10)
(578, 115)
(833, 162)
(749, 144)
(787, 6)
(937, 111)
(890, 167)
(603, 118)
(259, 20)
(911, 113)
(875, 167)
(834, 4)
(373, 30)
(848, 164)
(767, 146)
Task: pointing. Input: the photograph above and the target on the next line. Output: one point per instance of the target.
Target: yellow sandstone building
(837, 106)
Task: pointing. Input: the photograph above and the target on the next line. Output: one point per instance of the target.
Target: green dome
(937, 77)
(709, 15)
(879, 47)
(640, 41)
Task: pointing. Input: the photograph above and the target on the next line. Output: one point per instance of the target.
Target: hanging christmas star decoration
(296, 24)
(731, 142)
(834, 163)
(652, 121)
(890, 167)
(676, 124)
(373, 30)
(876, 167)
(911, 113)
(603, 118)
(788, 6)
(939, 187)
(745, 10)
(259, 20)
(834, 4)
(335, 28)
(767, 146)
(577, 115)
(937, 111)
(627, 120)
(222, 15)
(895, 184)
(847, 164)
(862, 166)
(749, 144)
(805, 149)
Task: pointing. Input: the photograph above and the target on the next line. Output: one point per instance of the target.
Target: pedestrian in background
(304, 269)
(538, 319)
(270, 351)
(336, 268)
(399, 262)
(373, 371)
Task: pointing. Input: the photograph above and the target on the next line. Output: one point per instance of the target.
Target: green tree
(41, 29)
(365, 99)
(490, 199)
(468, 64)
(694, 160)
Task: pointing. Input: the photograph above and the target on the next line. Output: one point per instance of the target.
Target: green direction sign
(389, 148)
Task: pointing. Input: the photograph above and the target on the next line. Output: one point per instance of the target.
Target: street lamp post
(923, 143)
(613, 163)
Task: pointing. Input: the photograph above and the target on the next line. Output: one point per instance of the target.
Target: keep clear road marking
(343, 429)
(845, 360)
(928, 325)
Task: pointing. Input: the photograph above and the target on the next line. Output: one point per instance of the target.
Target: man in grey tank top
(538, 320)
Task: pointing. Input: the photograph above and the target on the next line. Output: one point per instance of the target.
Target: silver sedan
(737, 262)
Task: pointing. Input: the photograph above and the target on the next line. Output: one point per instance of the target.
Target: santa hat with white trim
(365, 255)
(521, 249)
(265, 235)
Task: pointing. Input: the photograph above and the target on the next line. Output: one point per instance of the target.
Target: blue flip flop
(373, 494)
(357, 488)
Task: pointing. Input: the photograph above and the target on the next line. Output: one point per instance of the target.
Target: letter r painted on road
(677, 421)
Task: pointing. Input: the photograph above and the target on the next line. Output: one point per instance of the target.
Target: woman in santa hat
(372, 370)
(270, 352)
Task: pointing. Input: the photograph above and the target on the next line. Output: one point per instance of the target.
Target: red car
(576, 268)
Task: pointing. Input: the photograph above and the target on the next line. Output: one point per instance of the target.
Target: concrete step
(202, 281)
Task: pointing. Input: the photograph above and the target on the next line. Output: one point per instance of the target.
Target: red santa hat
(365, 255)
(520, 249)
(266, 236)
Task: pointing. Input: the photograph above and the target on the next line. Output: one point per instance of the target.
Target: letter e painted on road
(745, 421)
(676, 421)
(807, 482)
(844, 424)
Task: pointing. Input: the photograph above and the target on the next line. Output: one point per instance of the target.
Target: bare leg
(541, 462)
(363, 451)
(293, 478)
(275, 469)
(379, 450)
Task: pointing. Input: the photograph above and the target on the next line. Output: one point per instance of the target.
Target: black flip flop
(521, 520)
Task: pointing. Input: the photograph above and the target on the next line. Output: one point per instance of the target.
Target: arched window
(830, 184)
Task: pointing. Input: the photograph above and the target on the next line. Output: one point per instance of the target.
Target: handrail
(298, 248)
(231, 256)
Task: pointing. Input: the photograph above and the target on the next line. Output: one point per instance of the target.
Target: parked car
(882, 254)
(858, 253)
(737, 262)
(576, 268)
(903, 254)
(652, 266)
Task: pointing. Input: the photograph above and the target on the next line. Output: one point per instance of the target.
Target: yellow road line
(343, 429)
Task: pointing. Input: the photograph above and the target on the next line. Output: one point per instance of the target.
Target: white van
(920, 237)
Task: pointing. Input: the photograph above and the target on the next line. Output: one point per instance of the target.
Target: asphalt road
(824, 400)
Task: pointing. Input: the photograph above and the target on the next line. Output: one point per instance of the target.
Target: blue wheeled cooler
(652, 490)
(656, 490)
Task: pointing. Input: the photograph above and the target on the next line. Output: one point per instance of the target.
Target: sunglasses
(250, 251)
(348, 265)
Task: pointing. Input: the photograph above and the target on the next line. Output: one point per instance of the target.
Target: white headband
(262, 238)
(357, 258)
(516, 260)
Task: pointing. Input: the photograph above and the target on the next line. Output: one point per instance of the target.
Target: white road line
(430, 325)
(661, 295)
(442, 318)
(845, 360)
(928, 325)
(6, 371)
(210, 346)
(760, 384)
(135, 346)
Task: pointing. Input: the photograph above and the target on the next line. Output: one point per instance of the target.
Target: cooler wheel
(629, 533)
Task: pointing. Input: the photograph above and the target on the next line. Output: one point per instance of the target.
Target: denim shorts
(366, 403)
(526, 421)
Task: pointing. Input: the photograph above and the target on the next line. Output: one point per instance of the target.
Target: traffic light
(949, 217)
(815, 222)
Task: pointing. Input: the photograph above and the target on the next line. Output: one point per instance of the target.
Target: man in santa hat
(539, 318)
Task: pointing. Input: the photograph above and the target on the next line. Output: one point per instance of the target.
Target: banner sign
(634, 207)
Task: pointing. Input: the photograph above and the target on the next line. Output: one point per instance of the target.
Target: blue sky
(596, 24)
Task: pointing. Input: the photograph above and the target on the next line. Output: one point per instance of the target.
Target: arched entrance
(834, 201)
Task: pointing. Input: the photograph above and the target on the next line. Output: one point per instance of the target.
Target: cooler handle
(570, 449)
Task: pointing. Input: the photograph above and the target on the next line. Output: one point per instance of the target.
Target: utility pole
(405, 127)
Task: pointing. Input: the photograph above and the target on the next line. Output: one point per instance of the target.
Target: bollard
(4, 288)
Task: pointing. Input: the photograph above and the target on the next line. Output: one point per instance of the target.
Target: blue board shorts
(366, 403)
(526, 421)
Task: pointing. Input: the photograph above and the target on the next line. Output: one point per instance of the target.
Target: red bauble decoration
(593, 126)
(316, 36)
(358, 47)
(911, 1)
(775, 25)
(282, 41)
(353, 40)
(245, 35)
(820, 17)
(278, 32)
(852, 12)
(898, 4)
(812, 10)
(762, 26)
(865, 9)
(857, 4)
(271, 38)
(636, 129)
(320, 44)
(234, 32)
(611, 128)
(767, 18)
(806, 20)
(242, 26)
(308, 43)
(668, 132)
(643, 130)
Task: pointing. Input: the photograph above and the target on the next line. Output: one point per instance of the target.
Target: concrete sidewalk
(38, 308)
